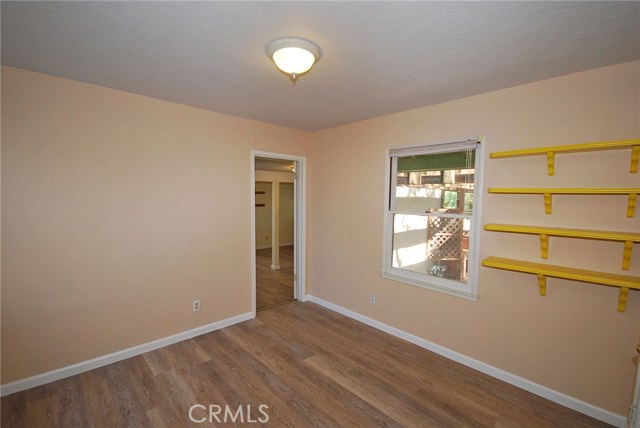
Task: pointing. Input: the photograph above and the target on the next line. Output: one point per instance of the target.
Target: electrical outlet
(372, 299)
(196, 305)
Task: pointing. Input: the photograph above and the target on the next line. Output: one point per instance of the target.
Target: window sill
(456, 293)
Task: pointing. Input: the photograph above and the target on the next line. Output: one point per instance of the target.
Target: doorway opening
(277, 229)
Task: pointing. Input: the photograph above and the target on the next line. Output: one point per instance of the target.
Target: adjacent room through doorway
(274, 231)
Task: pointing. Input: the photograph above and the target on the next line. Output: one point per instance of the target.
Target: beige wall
(264, 181)
(287, 211)
(263, 215)
(283, 177)
(118, 211)
(573, 341)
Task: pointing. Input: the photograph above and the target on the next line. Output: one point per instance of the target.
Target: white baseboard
(540, 390)
(64, 372)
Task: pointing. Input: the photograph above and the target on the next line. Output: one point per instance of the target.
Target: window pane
(447, 191)
(437, 161)
(431, 216)
(431, 245)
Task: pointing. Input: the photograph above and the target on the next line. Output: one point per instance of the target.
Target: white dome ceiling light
(293, 56)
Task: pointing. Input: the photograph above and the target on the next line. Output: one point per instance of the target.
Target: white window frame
(469, 290)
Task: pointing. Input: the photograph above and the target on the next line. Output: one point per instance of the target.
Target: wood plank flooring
(274, 287)
(312, 367)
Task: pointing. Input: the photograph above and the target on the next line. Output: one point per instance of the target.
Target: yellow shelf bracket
(635, 155)
(631, 205)
(622, 299)
(551, 163)
(544, 246)
(547, 203)
(626, 255)
(542, 284)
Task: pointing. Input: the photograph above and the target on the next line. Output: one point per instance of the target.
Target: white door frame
(300, 203)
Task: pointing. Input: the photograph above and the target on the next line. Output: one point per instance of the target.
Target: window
(432, 216)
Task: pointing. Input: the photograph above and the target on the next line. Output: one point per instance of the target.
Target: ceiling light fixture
(293, 56)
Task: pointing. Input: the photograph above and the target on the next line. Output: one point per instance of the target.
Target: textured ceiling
(378, 57)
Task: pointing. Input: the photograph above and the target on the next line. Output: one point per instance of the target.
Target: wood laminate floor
(312, 367)
(274, 287)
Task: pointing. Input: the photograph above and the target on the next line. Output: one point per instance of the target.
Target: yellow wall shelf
(551, 151)
(631, 192)
(627, 238)
(542, 271)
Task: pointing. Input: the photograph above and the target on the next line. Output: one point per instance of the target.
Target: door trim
(299, 240)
